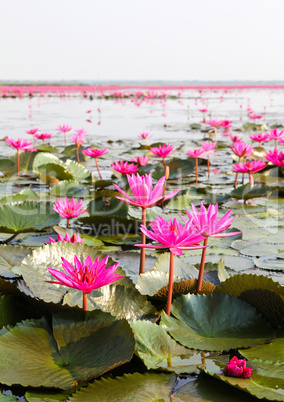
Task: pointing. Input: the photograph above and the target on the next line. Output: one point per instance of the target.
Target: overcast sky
(142, 40)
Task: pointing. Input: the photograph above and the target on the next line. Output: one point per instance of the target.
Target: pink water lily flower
(237, 368)
(172, 235)
(95, 152)
(176, 237)
(214, 123)
(141, 160)
(207, 223)
(75, 238)
(68, 209)
(235, 138)
(208, 146)
(64, 129)
(276, 157)
(20, 144)
(275, 135)
(124, 167)
(144, 194)
(85, 276)
(144, 136)
(226, 124)
(195, 153)
(242, 149)
(43, 136)
(249, 167)
(260, 138)
(81, 131)
(32, 131)
(163, 150)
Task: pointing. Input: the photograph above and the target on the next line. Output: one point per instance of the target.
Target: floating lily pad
(130, 387)
(249, 191)
(24, 216)
(215, 323)
(178, 168)
(153, 344)
(261, 292)
(184, 287)
(69, 188)
(119, 301)
(11, 256)
(26, 163)
(77, 347)
(273, 352)
(270, 262)
(259, 385)
(46, 148)
(34, 268)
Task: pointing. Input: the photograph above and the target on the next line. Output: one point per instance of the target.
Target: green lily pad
(77, 347)
(259, 250)
(182, 268)
(273, 352)
(6, 164)
(261, 292)
(260, 385)
(24, 216)
(69, 188)
(34, 268)
(25, 195)
(11, 256)
(249, 191)
(153, 344)
(26, 163)
(215, 323)
(77, 170)
(106, 225)
(107, 206)
(270, 262)
(120, 301)
(178, 168)
(237, 284)
(46, 148)
(184, 287)
(130, 387)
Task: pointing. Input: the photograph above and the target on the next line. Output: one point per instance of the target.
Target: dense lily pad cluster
(121, 339)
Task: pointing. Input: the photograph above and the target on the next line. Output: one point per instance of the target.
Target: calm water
(124, 119)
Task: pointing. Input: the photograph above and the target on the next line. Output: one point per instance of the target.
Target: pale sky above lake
(142, 40)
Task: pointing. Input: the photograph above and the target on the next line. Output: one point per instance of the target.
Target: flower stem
(18, 163)
(275, 144)
(97, 165)
(201, 269)
(236, 179)
(208, 166)
(143, 241)
(170, 286)
(84, 301)
(251, 179)
(196, 170)
(77, 151)
(67, 224)
(65, 139)
(215, 133)
(43, 140)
